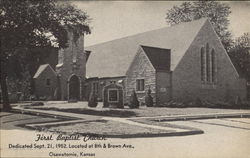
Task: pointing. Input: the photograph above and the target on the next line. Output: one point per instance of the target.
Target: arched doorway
(74, 88)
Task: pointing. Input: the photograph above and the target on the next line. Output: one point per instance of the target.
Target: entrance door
(74, 88)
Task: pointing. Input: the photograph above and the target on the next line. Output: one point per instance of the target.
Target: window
(48, 82)
(208, 62)
(95, 87)
(213, 66)
(203, 64)
(140, 85)
(113, 95)
(208, 65)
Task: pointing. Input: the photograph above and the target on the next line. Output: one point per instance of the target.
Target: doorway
(74, 88)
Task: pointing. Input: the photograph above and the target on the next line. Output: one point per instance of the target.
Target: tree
(28, 24)
(149, 99)
(92, 102)
(240, 55)
(217, 13)
(134, 103)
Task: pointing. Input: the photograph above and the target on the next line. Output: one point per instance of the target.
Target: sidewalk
(196, 116)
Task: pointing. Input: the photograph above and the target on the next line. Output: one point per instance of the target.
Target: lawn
(111, 129)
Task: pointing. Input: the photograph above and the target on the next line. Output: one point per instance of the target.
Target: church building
(184, 62)
(68, 80)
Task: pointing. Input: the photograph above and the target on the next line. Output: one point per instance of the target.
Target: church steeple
(72, 63)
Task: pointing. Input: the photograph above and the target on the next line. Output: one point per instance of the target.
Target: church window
(140, 85)
(48, 82)
(208, 65)
(213, 66)
(203, 64)
(208, 61)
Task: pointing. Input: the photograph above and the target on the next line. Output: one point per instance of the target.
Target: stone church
(183, 62)
(67, 81)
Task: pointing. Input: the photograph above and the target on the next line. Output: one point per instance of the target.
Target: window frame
(203, 64)
(136, 87)
(48, 82)
(213, 66)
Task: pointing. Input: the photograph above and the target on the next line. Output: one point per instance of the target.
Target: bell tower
(71, 69)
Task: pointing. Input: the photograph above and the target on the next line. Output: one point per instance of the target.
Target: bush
(37, 104)
(134, 103)
(92, 100)
(72, 100)
(149, 99)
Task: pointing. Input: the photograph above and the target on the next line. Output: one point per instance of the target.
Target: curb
(150, 135)
(26, 111)
(194, 117)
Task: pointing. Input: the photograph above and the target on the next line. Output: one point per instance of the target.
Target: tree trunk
(3, 83)
(5, 97)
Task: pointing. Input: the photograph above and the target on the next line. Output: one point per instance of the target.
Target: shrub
(92, 100)
(72, 100)
(134, 103)
(149, 99)
(37, 104)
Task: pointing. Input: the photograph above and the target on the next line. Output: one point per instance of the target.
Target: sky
(116, 19)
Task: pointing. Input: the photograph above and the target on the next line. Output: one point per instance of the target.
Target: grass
(88, 111)
(107, 128)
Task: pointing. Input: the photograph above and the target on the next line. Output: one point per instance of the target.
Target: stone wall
(141, 68)
(163, 87)
(42, 90)
(187, 83)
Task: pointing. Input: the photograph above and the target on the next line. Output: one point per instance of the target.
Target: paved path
(66, 115)
(144, 125)
(35, 125)
(196, 116)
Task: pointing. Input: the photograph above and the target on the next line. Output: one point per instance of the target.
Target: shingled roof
(41, 69)
(110, 59)
(159, 57)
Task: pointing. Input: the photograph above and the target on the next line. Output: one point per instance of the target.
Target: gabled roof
(41, 69)
(159, 57)
(113, 58)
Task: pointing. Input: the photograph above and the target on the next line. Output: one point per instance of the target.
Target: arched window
(208, 63)
(213, 66)
(203, 64)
